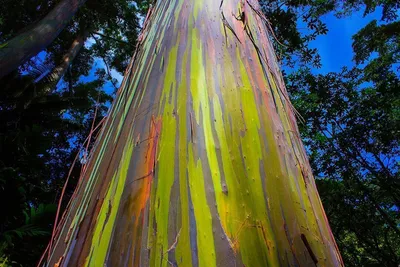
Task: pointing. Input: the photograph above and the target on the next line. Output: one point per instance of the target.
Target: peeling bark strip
(220, 121)
(305, 241)
(18, 50)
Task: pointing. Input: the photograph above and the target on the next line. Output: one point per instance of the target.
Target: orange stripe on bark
(145, 189)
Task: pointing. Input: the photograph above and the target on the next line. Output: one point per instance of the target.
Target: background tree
(44, 125)
(30, 42)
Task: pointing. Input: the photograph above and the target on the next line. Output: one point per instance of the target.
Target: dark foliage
(352, 125)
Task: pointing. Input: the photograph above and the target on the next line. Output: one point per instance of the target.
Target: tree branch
(107, 67)
(109, 37)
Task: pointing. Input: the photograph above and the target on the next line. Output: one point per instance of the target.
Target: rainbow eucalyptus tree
(199, 162)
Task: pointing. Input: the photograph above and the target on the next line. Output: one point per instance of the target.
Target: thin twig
(111, 38)
(107, 67)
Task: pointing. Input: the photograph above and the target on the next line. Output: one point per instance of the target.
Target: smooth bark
(200, 161)
(58, 72)
(21, 48)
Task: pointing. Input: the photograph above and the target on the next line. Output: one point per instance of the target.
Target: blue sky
(335, 47)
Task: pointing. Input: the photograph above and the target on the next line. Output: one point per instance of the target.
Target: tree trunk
(200, 161)
(18, 50)
(58, 72)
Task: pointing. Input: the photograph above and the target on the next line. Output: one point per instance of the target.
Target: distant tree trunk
(200, 161)
(27, 44)
(58, 72)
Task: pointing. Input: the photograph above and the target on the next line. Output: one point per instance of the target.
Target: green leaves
(37, 214)
(381, 39)
(37, 222)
